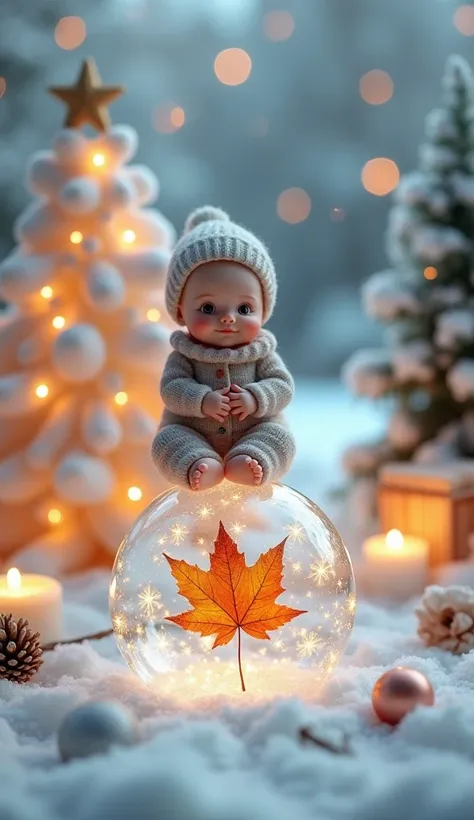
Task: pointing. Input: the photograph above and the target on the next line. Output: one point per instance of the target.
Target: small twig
(47, 647)
(306, 735)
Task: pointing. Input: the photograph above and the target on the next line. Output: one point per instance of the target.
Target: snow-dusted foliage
(426, 299)
(81, 359)
(368, 373)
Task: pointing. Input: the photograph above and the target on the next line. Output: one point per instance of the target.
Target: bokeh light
(98, 160)
(76, 237)
(430, 272)
(153, 315)
(46, 292)
(129, 236)
(169, 118)
(121, 398)
(3, 86)
(464, 20)
(70, 33)
(134, 493)
(278, 25)
(233, 66)
(42, 391)
(376, 87)
(58, 322)
(54, 516)
(380, 176)
(294, 205)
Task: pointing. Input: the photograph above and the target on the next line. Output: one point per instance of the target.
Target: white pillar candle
(395, 565)
(37, 598)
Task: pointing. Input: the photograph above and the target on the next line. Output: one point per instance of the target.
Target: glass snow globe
(233, 593)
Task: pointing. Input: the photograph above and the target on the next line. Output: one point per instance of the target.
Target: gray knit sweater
(193, 369)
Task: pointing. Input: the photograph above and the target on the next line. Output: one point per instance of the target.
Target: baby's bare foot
(205, 473)
(244, 470)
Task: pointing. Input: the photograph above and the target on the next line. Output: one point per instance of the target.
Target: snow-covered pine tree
(426, 298)
(81, 357)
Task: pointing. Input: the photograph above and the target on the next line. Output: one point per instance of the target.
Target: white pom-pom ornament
(104, 286)
(83, 479)
(205, 214)
(44, 175)
(145, 183)
(79, 353)
(80, 195)
(69, 145)
(121, 142)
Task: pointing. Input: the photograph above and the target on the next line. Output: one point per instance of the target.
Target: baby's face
(222, 304)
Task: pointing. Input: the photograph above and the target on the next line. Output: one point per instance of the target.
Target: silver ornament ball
(94, 728)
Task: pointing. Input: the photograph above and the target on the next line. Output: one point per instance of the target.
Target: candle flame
(394, 540)
(13, 578)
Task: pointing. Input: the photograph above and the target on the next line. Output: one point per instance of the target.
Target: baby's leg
(185, 458)
(263, 454)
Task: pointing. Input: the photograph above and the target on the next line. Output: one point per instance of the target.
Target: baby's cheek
(252, 326)
(201, 323)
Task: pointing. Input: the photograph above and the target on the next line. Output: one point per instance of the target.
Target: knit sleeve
(180, 392)
(273, 388)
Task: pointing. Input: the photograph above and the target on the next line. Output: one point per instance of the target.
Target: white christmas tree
(426, 299)
(81, 356)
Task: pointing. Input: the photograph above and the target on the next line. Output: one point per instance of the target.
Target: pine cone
(20, 650)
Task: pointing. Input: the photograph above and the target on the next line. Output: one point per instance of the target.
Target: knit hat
(210, 236)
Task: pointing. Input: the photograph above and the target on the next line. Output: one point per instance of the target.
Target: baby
(224, 386)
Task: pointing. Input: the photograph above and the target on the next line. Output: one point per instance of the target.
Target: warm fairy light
(129, 236)
(294, 205)
(278, 25)
(3, 86)
(70, 33)
(13, 578)
(380, 176)
(308, 644)
(121, 398)
(394, 540)
(134, 493)
(120, 623)
(150, 601)
(58, 322)
(42, 391)
(376, 87)
(320, 572)
(233, 66)
(46, 292)
(430, 272)
(55, 516)
(76, 237)
(296, 567)
(98, 160)
(236, 529)
(204, 512)
(464, 20)
(178, 534)
(296, 532)
(153, 315)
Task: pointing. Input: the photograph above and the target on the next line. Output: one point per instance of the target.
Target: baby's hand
(242, 402)
(216, 405)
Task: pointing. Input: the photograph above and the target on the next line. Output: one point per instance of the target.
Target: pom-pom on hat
(210, 236)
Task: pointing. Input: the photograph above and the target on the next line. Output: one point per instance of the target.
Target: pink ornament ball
(398, 692)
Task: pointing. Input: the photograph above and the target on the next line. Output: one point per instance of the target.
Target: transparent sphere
(235, 592)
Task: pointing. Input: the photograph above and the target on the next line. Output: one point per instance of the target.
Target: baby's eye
(207, 308)
(244, 310)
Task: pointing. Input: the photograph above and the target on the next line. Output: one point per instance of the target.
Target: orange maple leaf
(230, 596)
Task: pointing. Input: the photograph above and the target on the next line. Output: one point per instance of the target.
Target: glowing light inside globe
(234, 593)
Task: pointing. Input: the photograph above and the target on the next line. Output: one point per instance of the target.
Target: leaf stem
(240, 660)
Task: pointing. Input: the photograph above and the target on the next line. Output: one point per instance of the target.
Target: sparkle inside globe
(235, 592)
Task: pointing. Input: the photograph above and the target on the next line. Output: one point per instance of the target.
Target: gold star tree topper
(88, 99)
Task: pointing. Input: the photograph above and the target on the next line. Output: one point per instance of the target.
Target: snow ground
(248, 764)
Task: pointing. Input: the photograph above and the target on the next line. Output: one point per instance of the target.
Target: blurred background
(296, 116)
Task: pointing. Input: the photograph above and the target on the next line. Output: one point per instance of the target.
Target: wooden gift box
(435, 502)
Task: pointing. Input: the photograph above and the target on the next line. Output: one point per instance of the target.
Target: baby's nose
(227, 318)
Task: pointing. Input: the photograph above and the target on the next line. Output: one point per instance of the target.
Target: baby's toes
(202, 468)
